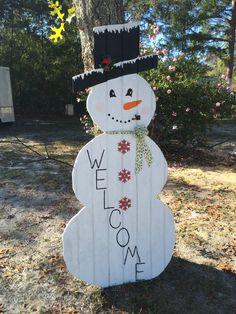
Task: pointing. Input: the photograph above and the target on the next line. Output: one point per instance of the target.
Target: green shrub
(188, 102)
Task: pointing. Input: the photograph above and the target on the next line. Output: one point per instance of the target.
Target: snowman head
(120, 99)
(121, 104)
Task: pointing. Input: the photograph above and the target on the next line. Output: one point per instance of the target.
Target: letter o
(127, 235)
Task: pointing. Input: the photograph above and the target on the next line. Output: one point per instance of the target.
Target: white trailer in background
(6, 103)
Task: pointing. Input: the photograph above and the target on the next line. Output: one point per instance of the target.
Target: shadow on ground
(184, 287)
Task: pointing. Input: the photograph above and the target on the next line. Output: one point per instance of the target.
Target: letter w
(95, 162)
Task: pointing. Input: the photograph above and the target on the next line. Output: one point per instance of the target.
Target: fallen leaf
(4, 252)
(8, 274)
(61, 266)
(225, 266)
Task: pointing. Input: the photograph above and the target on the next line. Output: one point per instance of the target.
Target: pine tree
(198, 27)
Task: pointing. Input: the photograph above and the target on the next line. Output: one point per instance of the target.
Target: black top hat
(116, 53)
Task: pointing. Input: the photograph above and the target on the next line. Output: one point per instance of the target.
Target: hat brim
(88, 79)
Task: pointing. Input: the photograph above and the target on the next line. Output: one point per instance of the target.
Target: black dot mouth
(136, 117)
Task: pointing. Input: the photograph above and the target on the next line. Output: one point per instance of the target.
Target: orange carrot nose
(131, 104)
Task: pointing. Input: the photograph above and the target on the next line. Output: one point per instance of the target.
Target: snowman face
(122, 104)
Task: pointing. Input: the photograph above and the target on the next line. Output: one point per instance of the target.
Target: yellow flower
(56, 9)
(58, 32)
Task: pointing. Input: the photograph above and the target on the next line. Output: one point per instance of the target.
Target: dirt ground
(37, 201)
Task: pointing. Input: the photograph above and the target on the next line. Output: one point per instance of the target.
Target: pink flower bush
(172, 68)
(154, 30)
(164, 51)
(156, 51)
(179, 79)
(151, 36)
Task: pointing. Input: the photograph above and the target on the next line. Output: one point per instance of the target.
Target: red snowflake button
(124, 175)
(124, 203)
(123, 146)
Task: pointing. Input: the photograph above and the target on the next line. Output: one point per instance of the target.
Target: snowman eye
(129, 92)
(112, 93)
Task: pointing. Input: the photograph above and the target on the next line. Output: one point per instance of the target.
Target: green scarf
(142, 148)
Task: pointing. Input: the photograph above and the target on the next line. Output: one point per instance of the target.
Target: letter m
(132, 253)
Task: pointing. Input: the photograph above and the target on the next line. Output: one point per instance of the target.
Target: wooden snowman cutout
(124, 233)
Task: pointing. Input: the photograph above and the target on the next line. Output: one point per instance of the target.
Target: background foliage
(41, 71)
(191, 89)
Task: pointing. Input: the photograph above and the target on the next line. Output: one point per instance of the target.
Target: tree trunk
(92, 13)
(232, 45)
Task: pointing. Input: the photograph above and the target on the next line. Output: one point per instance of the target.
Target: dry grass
(36, 201)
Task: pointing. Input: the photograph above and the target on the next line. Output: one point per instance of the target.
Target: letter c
(110, 222)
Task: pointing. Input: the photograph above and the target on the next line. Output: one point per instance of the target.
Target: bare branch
(44, 158)
(27, 146)
(46, 150)
(218, 144)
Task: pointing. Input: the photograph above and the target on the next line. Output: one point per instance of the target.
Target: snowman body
(124, 233)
